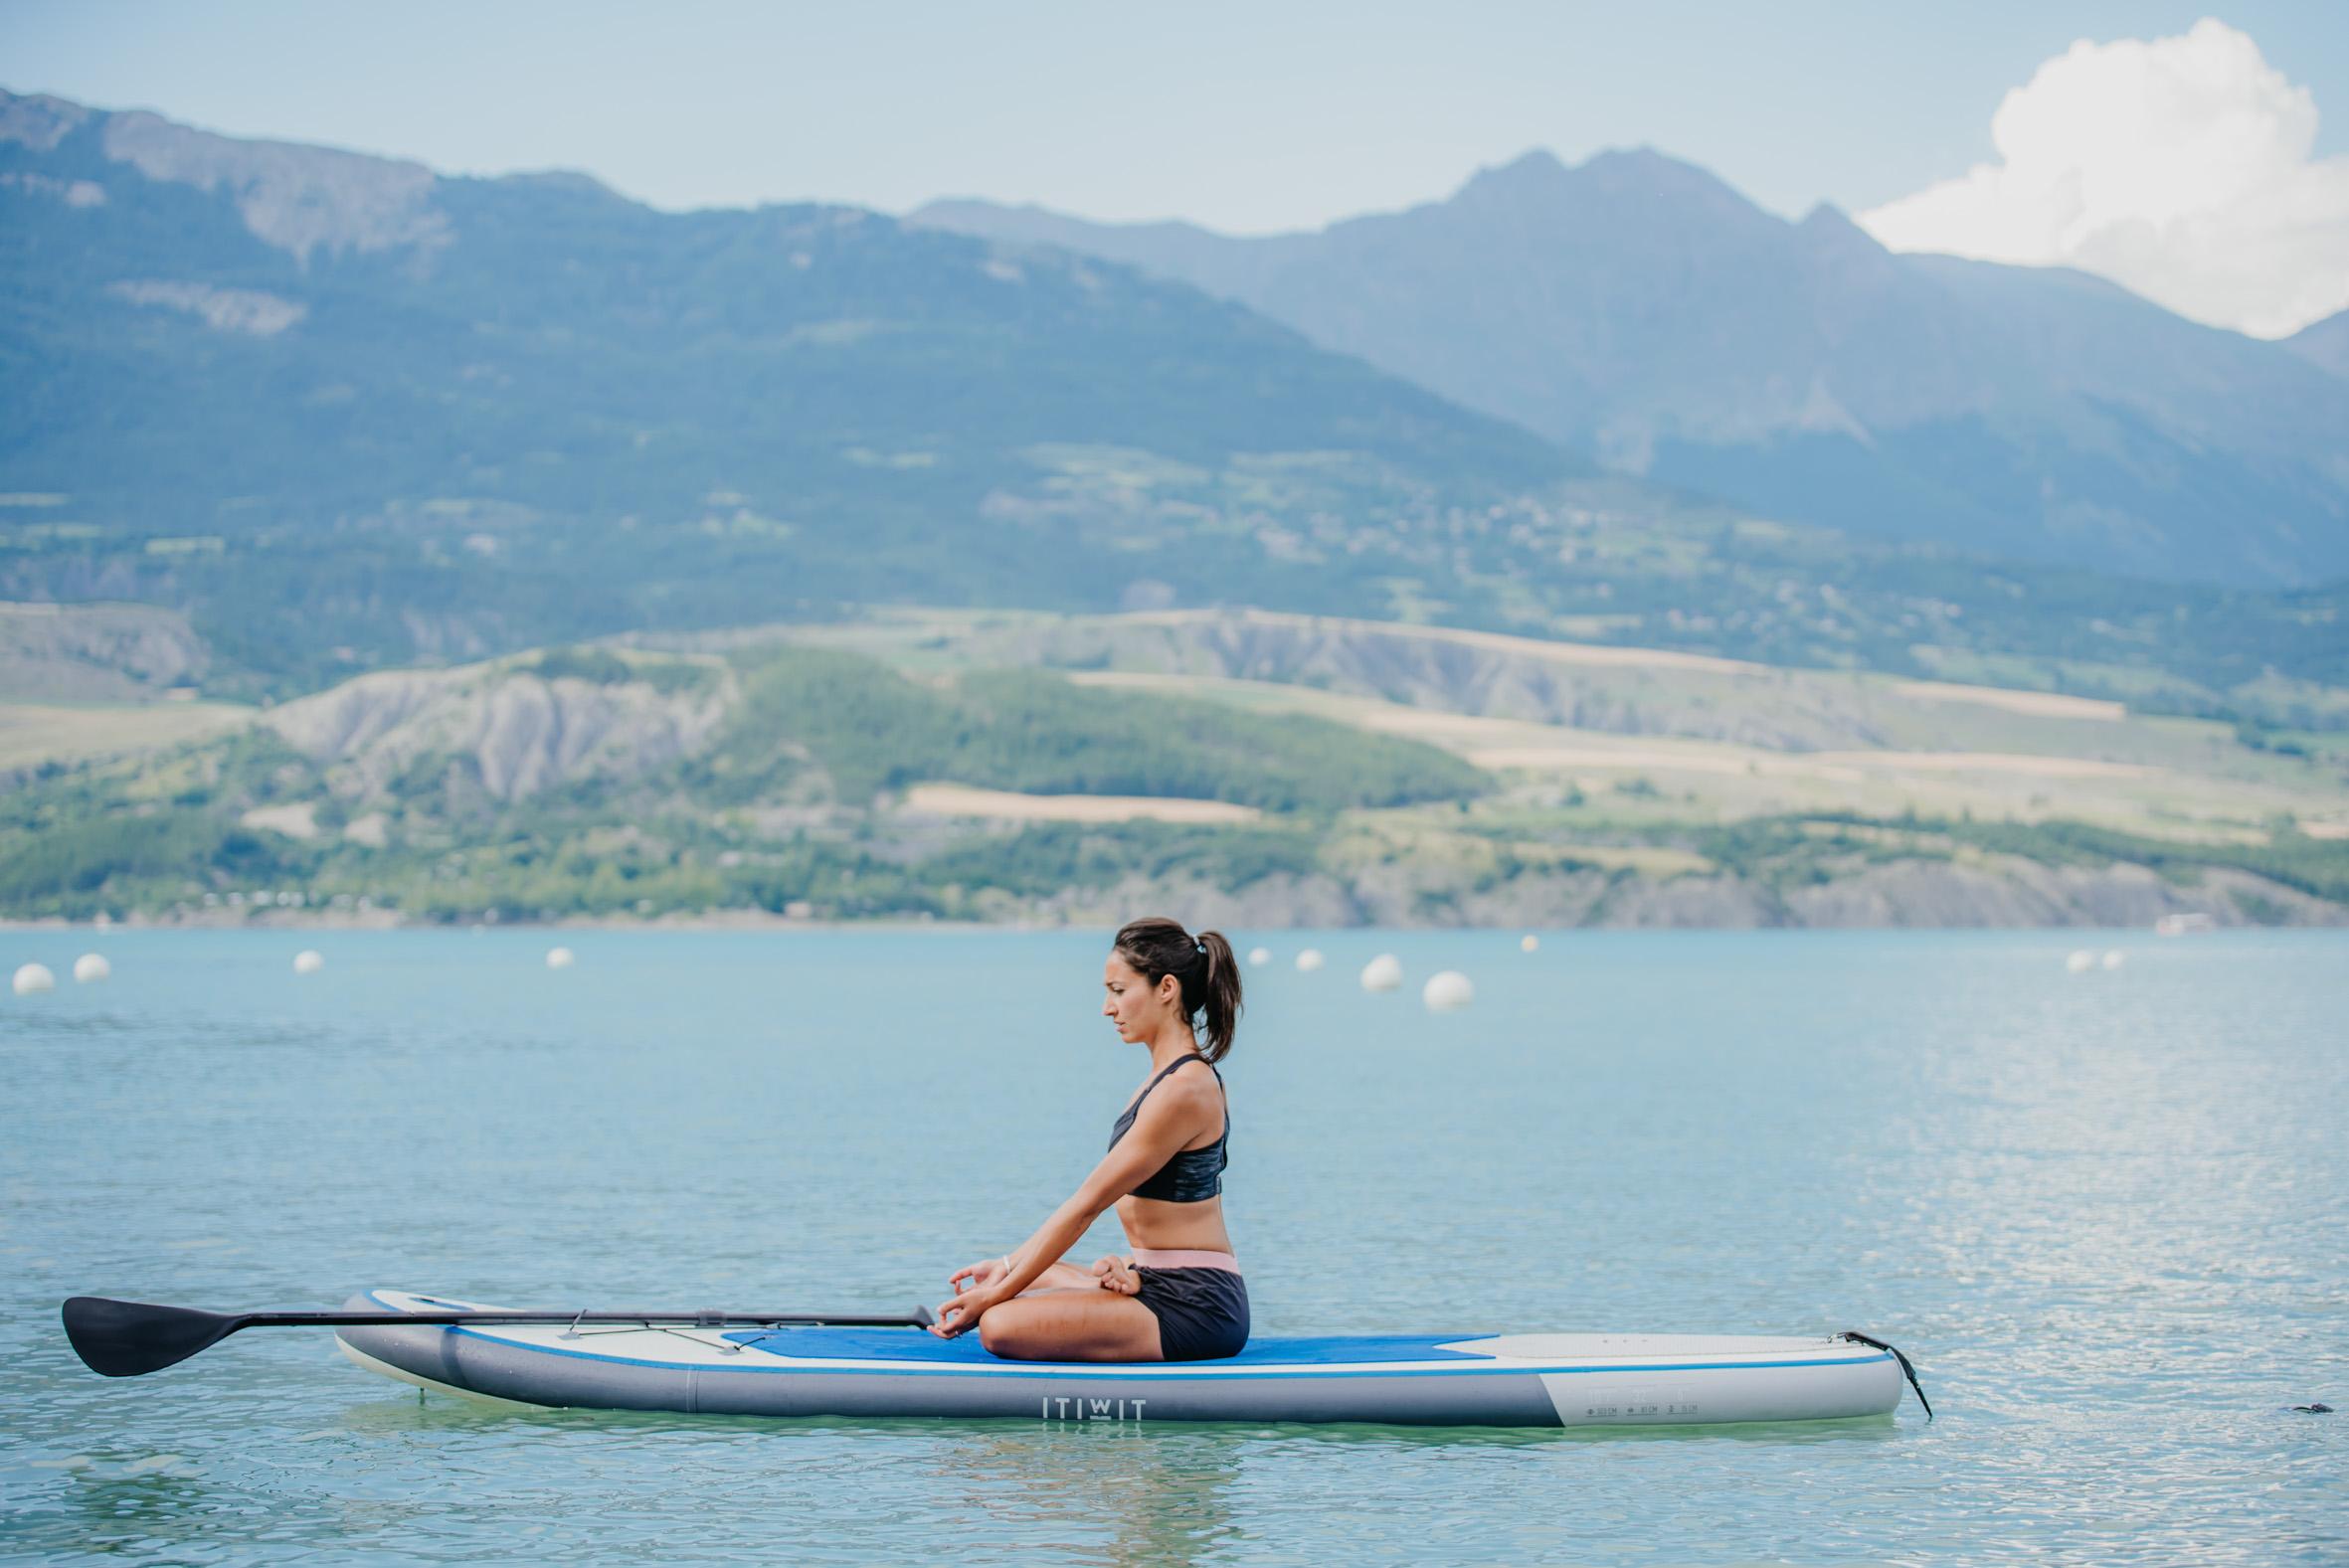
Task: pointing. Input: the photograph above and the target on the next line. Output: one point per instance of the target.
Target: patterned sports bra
(1193, 1175)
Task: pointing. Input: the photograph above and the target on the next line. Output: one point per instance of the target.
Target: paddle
(131, 1339)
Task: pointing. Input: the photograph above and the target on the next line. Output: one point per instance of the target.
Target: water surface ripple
(2107, 1213)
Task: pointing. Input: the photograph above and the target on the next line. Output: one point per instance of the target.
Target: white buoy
(558, 958)
(2080, 962)
(34, 977)
(1258, 957)
(1383, 974)
(2114, 958)
(1529, 943)
(308, 961)
(91, 967)
(1308, 961)
(1448, 991)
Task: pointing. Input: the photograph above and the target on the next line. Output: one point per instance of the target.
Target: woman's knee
(998, 1333)
(1102, 1334)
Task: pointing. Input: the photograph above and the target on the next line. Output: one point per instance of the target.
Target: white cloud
(2177, 167)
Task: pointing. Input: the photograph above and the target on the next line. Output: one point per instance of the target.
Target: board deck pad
(917, 1344)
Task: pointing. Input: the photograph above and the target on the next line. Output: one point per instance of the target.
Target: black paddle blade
(131, 1339)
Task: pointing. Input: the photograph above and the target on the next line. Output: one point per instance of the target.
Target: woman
(1179, 1296)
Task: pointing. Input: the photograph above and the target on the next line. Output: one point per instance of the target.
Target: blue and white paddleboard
(1506, 1380)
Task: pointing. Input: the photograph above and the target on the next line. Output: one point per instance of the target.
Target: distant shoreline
(725, 919)
(763, 921)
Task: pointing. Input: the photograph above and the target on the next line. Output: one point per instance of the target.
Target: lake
(2106, 1213)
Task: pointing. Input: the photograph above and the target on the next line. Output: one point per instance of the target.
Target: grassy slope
(1868, 745)
(821, 731)
(870, 729)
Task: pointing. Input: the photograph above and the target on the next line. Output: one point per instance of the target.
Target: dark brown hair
(1204, 965)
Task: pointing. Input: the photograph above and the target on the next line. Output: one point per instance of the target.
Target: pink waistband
(1183, 1257)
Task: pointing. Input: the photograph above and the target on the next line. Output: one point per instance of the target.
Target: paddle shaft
(713, 1318)
(130, 1338)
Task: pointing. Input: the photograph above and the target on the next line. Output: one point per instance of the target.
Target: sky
(1258, 118)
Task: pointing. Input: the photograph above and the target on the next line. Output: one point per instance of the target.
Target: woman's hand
(962, 1314)
(981, 1275)
(1115, 1274)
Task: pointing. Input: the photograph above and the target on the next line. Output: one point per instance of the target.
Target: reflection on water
(2107, 1214)
(1118, 1494)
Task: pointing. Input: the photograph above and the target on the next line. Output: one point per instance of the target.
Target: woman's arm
(1164, 1125)
(1060, 1276)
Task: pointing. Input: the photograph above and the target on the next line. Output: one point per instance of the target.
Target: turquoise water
(2106, 1213)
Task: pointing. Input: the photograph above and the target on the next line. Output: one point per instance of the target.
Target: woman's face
(1138, 1008)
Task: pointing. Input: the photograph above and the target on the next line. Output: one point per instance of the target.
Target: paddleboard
(1468, 1379)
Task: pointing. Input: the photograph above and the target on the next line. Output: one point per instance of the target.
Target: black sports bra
(1193, 1175)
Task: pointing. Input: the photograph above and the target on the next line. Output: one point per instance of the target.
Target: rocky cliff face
(517, 732)
(300, 200)
(1615, 690)
(39, 121)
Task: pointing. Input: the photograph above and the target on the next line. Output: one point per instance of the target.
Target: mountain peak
(1640, 174)
(37, 119)
(1530, 177)
(1641, 161)
(1829, 219)
(1531, 164)
(1830, 229)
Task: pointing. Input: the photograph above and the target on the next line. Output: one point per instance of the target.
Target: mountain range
(341, 413)
(443, 415)
(1639, 309)
(854, 491)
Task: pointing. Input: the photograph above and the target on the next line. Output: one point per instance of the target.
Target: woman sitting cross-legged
(1178, 1297)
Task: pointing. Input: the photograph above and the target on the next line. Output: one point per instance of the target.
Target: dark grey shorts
(1202, 1314)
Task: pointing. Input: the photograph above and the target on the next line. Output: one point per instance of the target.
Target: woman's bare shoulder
(1184, 1086)
(1194, 1089)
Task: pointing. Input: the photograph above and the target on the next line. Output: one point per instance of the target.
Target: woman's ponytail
(1204, 965)
(1220, 994)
